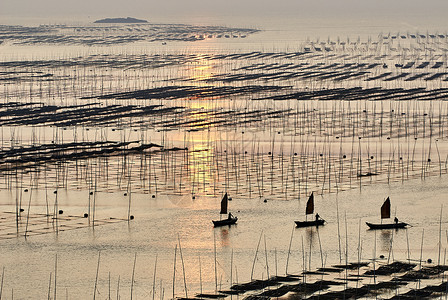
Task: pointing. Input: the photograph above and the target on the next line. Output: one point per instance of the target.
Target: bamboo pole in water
(133, 274)
(154, 280)
(1, 286)
(183, 267)
(289, 250)
(96, 277)
(255, 258)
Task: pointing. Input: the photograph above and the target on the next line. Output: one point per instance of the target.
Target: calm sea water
(165, 221)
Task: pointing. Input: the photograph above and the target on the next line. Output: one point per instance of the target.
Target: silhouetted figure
(230, 216)
(396, 220)
(317, 217)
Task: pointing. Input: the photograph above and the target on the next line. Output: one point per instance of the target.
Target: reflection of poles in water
(231, 271)
(133, 273)
(49, 286)
(29, 206)
(320, 248)
(311, 244)
(266, 256)
(183, 267)
(200, 274)
(339, 233)
(275, 258)
(174, 271)
(56, 273)
(214, 252)
(421, 255)
(154, 280)
(289, 249)
(391, 252)
(118, 288)
(255, 258)
(303, 263)
(359, 249)
(440, 235)
(96, 277)
(346, 251)
(374, 259)
(407, 243)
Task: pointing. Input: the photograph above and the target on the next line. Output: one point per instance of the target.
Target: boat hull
(387, 226)
(225, 222)
(309, 223)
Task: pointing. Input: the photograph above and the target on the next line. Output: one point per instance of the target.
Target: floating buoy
(131, 217)
(194, 197)
(61, 211)
(295, 154)
(265, 200)
(125, 194)
(371, 157)
(91, 193)
(86, 215)
(153, 196)
(344, 156)
(381, 256)
(25, 190)
(269, 153)
(429, 260)
(22, 210)
(55, 192)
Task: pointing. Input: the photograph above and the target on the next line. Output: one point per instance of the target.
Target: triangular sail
(310, 204)
(385, 209)
(224, 201)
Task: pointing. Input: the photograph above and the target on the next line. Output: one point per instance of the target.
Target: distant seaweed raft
(177, 92)
(17, 114)
(127, 20)
(116, 33)
(32, 156)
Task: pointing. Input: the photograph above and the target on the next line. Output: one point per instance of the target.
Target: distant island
(121, 20)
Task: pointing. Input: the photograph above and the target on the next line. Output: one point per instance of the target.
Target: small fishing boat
(319, 222)
(230, 218)
(387, 226)
(385, 214)
(309, 211)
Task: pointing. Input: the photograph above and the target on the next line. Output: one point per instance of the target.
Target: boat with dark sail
(318, 221)
(385, 214)
(231, 219)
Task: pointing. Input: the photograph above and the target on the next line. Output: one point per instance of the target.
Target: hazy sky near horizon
(407, 10)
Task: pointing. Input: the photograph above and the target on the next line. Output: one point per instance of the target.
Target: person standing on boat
(230, 216)
(317, 217)
(396, 220)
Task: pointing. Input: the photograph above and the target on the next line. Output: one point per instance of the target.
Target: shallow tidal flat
(112, 158)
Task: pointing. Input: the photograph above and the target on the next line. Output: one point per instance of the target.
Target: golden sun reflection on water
(203, 70)
(200, 166)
